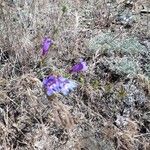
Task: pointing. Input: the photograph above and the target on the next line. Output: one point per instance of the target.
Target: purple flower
(50, 84)
(45, 46)
(66, 85)
(81, 66)
(53, 84)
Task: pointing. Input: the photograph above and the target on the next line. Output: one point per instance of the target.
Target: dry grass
(87, 119)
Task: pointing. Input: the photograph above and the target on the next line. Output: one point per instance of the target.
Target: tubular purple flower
(62, 85)
(47, 42)
(81, 66)
(50, 84)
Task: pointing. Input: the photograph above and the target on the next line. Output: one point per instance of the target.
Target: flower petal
(45, 46)
(82, 66)
(59, 84)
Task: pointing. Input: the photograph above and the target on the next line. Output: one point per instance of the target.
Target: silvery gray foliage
(121, 121)
(113, 42)
(124, 65)
(147, 68)
(125, 17)
(130, 48)
(134, 94)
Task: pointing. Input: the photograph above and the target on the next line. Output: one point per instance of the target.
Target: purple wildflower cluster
(53, 84)
(57, 84)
